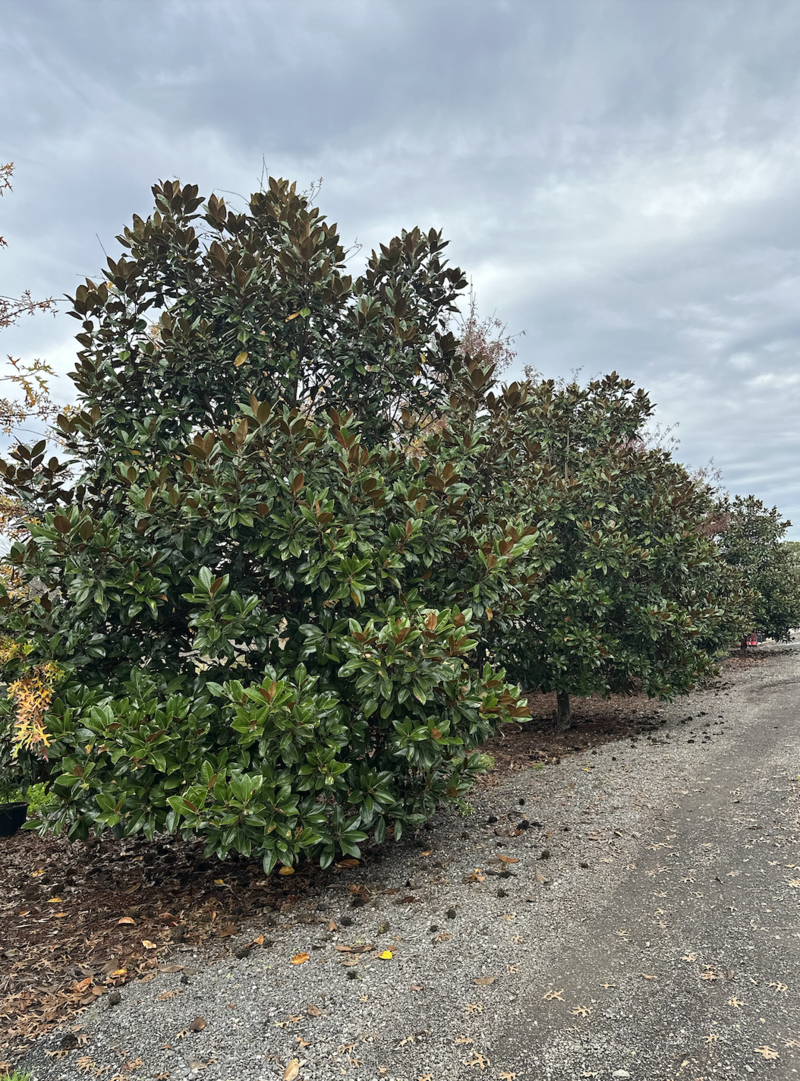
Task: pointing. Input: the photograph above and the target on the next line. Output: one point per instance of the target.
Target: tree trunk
(743, 645)
(564, 715)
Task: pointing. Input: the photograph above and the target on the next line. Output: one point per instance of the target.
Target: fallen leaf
(767, 1052)
(286, 871)
(55, 901)
(313, 1011)
(484, 981)
(258, 940)
(645, 976)
(507, 859)
(148, 945)
(219, 881)
(300, 958)
(429, 852)
(225, 930)
(416, 987)
(347, 864)
(198, 1024)
(332, 926)
(479, 1060)
(59, 915)
(386, 955)
(550, 995)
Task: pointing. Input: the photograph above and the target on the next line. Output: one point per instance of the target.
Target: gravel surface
(629, 912)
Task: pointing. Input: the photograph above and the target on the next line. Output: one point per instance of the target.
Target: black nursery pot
(12, 816)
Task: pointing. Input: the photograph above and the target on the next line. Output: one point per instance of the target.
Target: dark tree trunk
(564, 715)
(743, 645)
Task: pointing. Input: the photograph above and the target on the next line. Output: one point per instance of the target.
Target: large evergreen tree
(239, 630)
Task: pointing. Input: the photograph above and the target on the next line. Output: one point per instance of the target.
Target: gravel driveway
(629, 913)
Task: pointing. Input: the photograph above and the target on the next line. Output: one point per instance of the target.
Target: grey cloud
(619, 178)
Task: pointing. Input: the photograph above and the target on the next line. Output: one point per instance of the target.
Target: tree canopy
(239, 630)
(751, 539)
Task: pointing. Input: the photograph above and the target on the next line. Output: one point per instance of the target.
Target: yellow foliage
(32, 695)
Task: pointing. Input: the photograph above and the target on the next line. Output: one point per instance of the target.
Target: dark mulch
(62, 945)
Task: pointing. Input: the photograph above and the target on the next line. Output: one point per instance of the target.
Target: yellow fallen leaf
(119, 972)
(55, 901)
(428, 853)
(387, 955)
(127, 919)
(292, 1070)
(35, 874)
(148, 945)
(300, 958)
(219, 881)
(286, 871)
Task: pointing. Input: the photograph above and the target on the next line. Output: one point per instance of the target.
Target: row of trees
(300, 551)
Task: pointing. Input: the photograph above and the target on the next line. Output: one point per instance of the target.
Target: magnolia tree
(247, 626)
(751, 539)
(624, 587)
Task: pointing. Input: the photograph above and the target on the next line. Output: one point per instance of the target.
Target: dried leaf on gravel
(507, 859)
(301, 958)
(127, 919)
(292, 1070)
(767, 1052)
(484, 981)
(549, 996)
(313, 1011)
(198, 1024)
(148, 945)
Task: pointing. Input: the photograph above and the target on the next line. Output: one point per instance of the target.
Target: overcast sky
(621, 180)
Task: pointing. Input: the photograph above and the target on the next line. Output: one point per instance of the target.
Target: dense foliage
(271, 593)
(241, 628)
(625, 588)
(751, 539)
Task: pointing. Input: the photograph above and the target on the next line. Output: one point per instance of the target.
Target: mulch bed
(80, 920)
